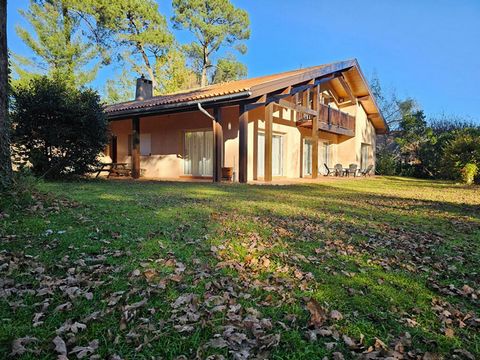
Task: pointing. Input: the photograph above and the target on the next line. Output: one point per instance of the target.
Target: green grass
(391, 254)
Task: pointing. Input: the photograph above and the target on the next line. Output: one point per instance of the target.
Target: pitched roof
(234, 90)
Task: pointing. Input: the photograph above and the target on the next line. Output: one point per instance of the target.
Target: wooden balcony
(336, 121)
(330, 120)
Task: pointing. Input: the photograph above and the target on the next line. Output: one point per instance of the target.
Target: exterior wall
(349, 149)
(167, 141)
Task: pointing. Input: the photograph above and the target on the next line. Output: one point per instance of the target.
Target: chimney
(144, 89)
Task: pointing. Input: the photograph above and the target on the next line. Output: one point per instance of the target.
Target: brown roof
(245, 88)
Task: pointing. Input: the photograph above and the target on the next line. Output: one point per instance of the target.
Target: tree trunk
(203, 77)
(5, 160)
(149, 67)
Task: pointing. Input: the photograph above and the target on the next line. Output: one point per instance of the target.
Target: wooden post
(316, 106)
(267, 173)
(217, 145)
(243, 144)
(136, 147)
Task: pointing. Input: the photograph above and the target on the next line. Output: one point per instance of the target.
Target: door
(277, 155)
(364, 156)
(113, 148)
(323, 156)
(198, 153)
(307, 157)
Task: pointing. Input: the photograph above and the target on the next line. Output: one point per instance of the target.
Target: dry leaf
(60, 346)
(317, 313)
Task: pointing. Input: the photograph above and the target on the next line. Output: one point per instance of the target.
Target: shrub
(58, 131)
(468, 173)
(386, 163)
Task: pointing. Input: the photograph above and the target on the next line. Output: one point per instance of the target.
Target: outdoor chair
(338, 169)
(330, 171)
(352, 169)
(367, 171)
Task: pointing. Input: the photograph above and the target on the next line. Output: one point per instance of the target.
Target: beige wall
(167, 134)
(349, 149)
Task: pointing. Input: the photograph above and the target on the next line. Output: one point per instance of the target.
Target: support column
(316, 106)
(136, 147)
(243, 144)
(217, 145)
(268, 142)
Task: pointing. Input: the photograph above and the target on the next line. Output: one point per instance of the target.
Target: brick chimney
(144, 89)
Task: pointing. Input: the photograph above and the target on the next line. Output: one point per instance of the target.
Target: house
(284, 125)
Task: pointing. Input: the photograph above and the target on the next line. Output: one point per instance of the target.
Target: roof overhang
(350, 71)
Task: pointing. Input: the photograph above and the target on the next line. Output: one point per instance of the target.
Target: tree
(58, 129)
(228, 69)
(214, 24)
(119, 89)
(143, 40)
(5, 160)
(60, 49)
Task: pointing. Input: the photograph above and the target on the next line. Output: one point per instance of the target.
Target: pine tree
(60, 48)
(214, 24)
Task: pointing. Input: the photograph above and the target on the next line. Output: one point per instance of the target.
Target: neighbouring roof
(253, 88)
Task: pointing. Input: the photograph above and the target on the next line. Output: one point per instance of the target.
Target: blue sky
(426, 49)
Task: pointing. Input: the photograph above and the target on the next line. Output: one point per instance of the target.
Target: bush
(386, 163)
(468, 173)
(58, 131)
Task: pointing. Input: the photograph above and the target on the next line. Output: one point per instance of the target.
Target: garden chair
(352, 169)
(330, 171)
(367, 171)
(338, 169)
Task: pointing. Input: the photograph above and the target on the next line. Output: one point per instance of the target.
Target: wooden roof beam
(347, 88)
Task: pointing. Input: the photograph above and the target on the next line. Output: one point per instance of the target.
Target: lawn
(343, 269)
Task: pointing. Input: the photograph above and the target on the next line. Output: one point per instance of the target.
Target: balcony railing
(336, 121)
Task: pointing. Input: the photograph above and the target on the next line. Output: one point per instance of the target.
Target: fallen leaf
(317, 313)
(60, 346)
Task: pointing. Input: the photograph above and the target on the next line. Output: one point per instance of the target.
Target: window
(307, 157)
(277, 155)
(365, 150)
(323, 156)
(198, 153)
(145, 144)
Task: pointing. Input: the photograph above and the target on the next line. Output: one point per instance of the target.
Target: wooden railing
(335, 120)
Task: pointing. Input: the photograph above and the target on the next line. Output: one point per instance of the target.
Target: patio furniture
(330, 171)
(338, 169)
(366, 171)
(104, 167)
(120, 169)
(352, 169)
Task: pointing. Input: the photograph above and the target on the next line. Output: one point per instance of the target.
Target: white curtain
(323, 156)
(198, 160)
(307, 157)
(277, 155)
(261, 155)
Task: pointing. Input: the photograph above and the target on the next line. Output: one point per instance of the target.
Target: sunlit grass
(271, 234)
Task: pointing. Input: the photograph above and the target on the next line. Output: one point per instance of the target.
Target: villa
(290, 125)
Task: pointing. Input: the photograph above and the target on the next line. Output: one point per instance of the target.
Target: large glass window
(198, 153)
(364, 156)
(277, 155)
(307, 157)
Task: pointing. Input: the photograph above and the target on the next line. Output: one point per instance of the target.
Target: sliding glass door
(307, 157)
(198, 153)
(323, 156)
(277, 155)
